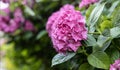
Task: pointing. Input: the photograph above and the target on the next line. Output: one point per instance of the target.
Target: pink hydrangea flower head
(4, 27)
(66, 28)
(29, 26)
(18, 17)
(115, 65)
(50, 22)
(6, 11)
(7, 24)
(6, 1)
(84, 3)
(67, 7)
(4, 19)
(13, 25)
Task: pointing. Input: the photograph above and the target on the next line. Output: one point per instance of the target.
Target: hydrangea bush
(62, 34)
(90, 33)
(11, 24)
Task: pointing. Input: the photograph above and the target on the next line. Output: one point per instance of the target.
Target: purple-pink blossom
(28, 3)
(11, 24)
(29, 26)
(5, 1)
(66, 28)
(8, 24)
(18, 16)
(84, 3)
(115, 65)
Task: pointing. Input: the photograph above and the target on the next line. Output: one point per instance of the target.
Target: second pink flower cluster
(10, 22)
(85, 3)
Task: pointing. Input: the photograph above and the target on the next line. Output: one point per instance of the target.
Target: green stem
(84, 51)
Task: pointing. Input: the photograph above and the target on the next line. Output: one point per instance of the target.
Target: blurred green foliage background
(26, 50)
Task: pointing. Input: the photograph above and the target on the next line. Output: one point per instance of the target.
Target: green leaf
(106, 33)
(114, 54)
(28, 35)
(40, 34)
(90, 40)
(116, 17)
(38, 0)
(99, 60)
(89, 10)
(60, 58)
(29, 11)
(103, 42)
(97, 11)
(115, 32)
(107, 24)
(86, 66)
(24, 52)
(113, 7)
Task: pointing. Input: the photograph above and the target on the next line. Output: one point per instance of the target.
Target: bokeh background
(24, 42)
(29, 49)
